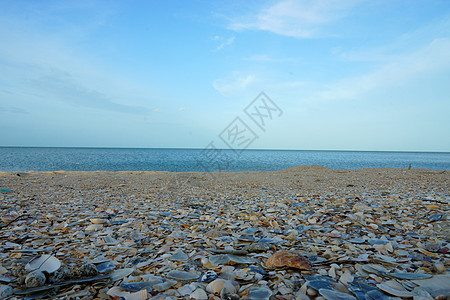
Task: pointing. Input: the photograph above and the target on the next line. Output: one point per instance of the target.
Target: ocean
(19, 159)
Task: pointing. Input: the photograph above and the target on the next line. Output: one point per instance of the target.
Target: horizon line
(250, 149)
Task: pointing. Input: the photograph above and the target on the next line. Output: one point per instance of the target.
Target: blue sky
(348, 75)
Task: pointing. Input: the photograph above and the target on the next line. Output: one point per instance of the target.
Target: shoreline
(159, 226)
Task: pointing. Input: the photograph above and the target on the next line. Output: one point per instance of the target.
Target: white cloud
(183, 109)
(222, 42)
(233, 83)
(432, 58)
(295, 18)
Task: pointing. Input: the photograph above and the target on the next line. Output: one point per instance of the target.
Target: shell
(120, 274)
(84, 270)
(208, 276)
(199, 294)
(98, 221)
(6, 291)
(181, 275)
(215, 286)
(141, 295)
(45, 262)
(93, 227)
(35, 279)
(289, 259)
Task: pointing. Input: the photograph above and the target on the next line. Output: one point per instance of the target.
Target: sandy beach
(163, 235)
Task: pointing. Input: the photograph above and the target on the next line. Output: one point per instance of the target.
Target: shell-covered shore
(301, 233)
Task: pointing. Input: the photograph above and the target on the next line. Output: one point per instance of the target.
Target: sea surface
(187, 160)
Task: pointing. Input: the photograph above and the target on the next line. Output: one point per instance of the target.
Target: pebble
(169, 235)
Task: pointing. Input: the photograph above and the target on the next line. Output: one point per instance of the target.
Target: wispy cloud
(233, 83)
(432, 58)
(14, 110)
(183, 109)
(222, 42)
(47, 67)
(295, 18)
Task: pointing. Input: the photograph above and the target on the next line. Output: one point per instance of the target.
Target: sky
(338, 74)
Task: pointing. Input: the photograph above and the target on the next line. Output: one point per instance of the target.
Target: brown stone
(289, 259)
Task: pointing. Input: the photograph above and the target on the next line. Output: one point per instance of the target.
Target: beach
(165, 235)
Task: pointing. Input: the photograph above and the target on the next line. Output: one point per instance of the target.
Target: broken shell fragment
(45, 262)
(289, 259)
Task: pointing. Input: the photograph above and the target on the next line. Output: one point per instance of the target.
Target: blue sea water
(187, 160)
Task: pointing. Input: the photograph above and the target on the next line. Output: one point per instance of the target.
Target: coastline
(341, 220)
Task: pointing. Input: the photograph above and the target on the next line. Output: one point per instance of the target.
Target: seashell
(105, 267)
(289, 259)
(346, 278)
(137, 286)
(241, 259)
(181, 275)
(59, 275)
(199, 294)
(436, 286)
(357, 241)
(228, 290)
(98, 221)
(208, 276)
(5, 291)
(186, 289)
(230, 296)
(166, 284)
(117, 292)
(409, 276)
(141, 295)
(422, 294)
(220, 259)
(247, 238)
(60, 226)
(35, 279)
(84, 270)
(241, 273)
(335, 295)
(375, 269)
(439, 268)
(45, 262)
(257, 247)
(215, 286)
(262, 293)
(179, 256)
(93, 227)
(120, 274)
(378, 295)
(394, 288)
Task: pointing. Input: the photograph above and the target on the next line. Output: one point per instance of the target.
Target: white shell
(215, 286)
(98, 221)
(141, 295)
(93, 227)
(45, 262)
(120, 274)
(199, 294)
